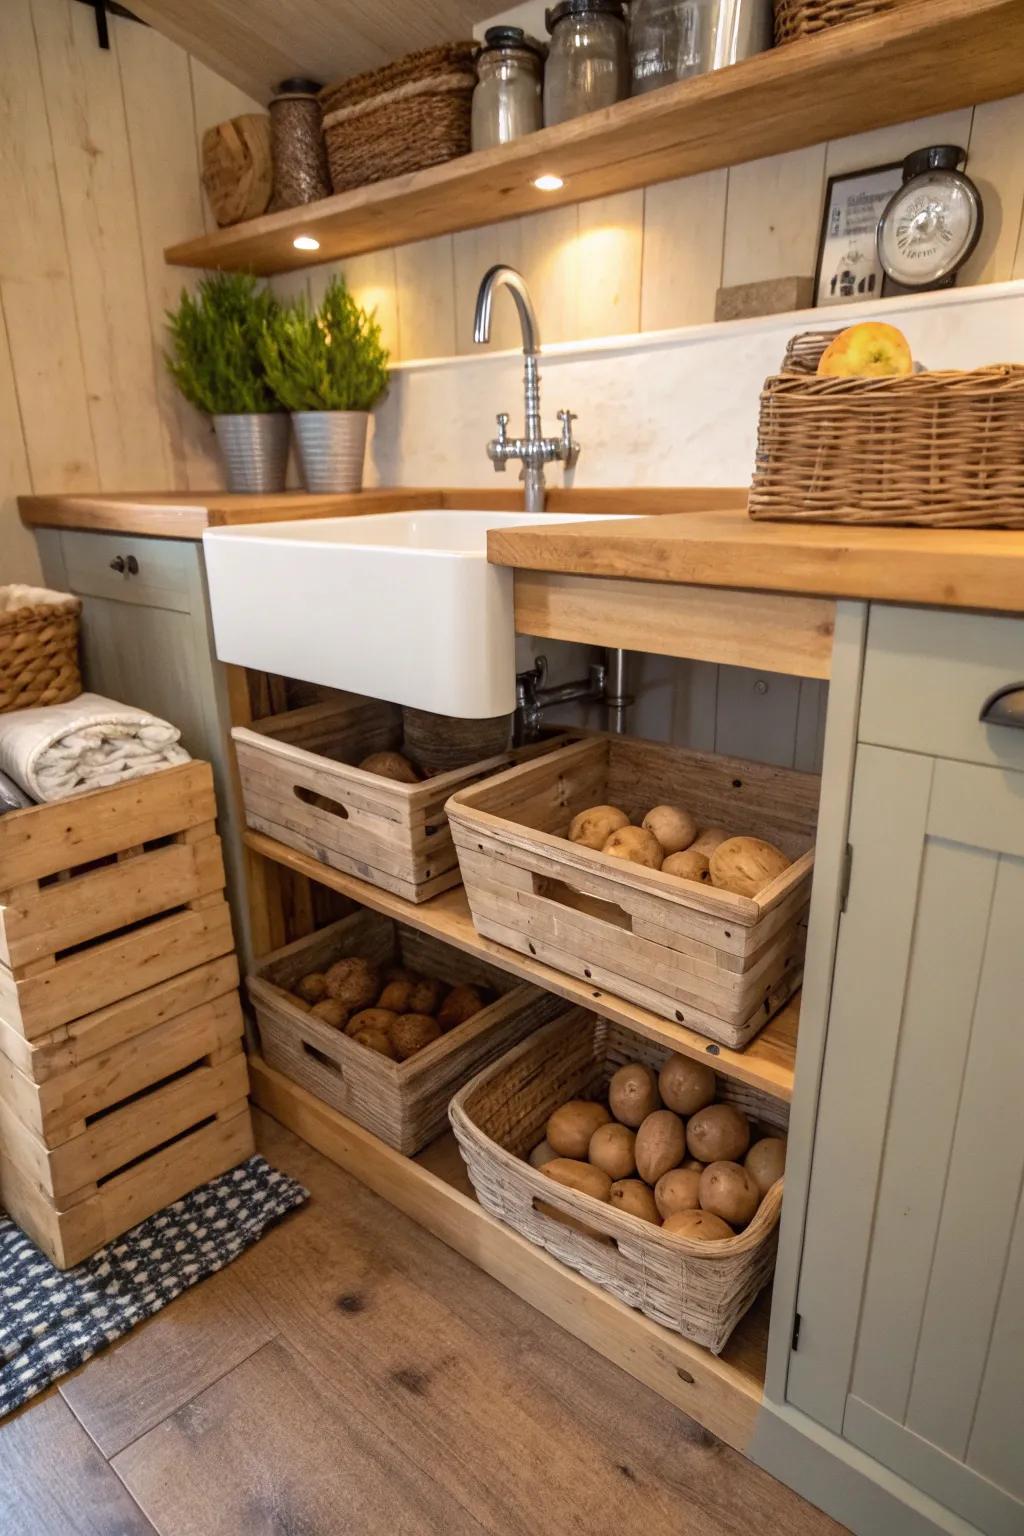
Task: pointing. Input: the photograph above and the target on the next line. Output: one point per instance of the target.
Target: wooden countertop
(946, 568)
(185, 514)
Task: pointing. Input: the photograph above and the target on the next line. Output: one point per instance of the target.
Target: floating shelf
(928, 56)
(766, 1063)
(722, 1393)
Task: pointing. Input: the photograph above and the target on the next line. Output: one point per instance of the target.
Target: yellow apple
(867, 351)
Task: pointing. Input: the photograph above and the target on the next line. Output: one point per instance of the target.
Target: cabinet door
(911, 1294)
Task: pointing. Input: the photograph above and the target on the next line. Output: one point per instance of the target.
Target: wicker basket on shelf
(942, 450)
(805, 18)
(38, 647)
(404, 117)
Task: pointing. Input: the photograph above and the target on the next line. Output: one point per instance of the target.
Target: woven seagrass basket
(700, 1290)
(38, 647)
(940, 450)
(404, 117)
(805, 18)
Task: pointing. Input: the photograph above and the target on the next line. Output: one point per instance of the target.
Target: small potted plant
(329, 368)
(216, 363)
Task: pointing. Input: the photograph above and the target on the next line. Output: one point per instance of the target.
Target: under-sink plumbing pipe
(604, 684)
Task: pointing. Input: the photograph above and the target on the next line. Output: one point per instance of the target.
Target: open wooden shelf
(766, 1063)
(722, 1393)
(926, 57)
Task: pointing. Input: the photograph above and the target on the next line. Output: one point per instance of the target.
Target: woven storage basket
(700, 1290)
(804, 18)
(804, 352)
(943, 450)
(405, 1103)
(411, 114)
(38, 647)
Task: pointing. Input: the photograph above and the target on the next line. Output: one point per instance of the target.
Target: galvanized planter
(255, 451)
(331, 446)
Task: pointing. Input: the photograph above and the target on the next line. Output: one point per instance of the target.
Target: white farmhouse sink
(401, 605)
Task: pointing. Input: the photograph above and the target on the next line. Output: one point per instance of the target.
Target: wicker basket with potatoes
(383, 1023)
(655, 1177)
(678, 880)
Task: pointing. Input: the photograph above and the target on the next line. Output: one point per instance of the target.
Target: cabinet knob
(1005, 707)
(125, 565)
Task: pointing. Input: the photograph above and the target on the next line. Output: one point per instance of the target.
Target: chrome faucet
(534, 449)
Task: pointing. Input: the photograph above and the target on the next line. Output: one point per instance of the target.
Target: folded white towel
(89, 743)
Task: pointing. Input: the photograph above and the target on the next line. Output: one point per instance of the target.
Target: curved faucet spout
(502, 276)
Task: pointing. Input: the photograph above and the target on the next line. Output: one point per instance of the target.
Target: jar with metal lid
(674, 39)
(297, 145)
(588, 60)
(507, 101)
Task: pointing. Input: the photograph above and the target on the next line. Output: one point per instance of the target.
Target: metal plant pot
(332, 446)
(255, 451)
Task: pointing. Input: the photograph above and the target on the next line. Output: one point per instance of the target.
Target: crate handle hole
(552, 1213)
(320, 802)
(591, 906)
(321, 1058)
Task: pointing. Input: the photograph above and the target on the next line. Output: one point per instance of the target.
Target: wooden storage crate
(720, 963)
(698, 1289)
(405, 1103)
(301, 786)
(106, 895)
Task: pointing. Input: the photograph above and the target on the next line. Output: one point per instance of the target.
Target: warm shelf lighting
(306, 243)
(549, 183)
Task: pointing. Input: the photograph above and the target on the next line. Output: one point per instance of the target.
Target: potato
(396, 996)
(412, 1031)
(703, 1226)
(612, 1149)
(300, 1002)
(571, 1126)
(354, 982)
(766, 1161)
(542, 1153)
(633, 1094)
(688, 866)
(398, 973)
(673, 826)
(686, 1085)
(425, 996)
(728, 1191)
(390, 765)
(579, 1176)
(593, 828)
(708, 839)
(312, 988)
(746, 865)
(636, 846)
(720, 1133)
(371, 1018)
(461, 1004)
(331, 1012)
(660, 1145)
(693, 1162)
(376, 1040)
(677, 1190)
(633, 1195)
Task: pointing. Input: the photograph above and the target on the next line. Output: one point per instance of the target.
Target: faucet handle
(570, 447)
(497, 448)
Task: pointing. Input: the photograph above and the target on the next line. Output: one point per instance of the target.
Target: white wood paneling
(684, 232)
(425, 284)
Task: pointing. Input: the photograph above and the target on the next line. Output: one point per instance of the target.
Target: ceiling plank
(256, 43)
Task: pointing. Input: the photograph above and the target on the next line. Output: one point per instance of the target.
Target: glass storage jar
(588, 60)
(507, 100)
(297, 146)
(674, 39)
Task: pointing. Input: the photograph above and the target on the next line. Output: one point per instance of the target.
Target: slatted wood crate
(301, 786)
(405, 1103)
(720, 963)
(123, 1081)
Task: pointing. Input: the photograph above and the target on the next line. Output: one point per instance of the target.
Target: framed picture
(848, 269)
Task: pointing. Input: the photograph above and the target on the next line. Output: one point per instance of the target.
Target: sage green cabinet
(910, 1297)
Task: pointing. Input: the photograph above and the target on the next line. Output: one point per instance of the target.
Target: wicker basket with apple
(867, 439)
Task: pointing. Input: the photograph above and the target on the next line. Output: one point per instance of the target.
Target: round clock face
(929, 228)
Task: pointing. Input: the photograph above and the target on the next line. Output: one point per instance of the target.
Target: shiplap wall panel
(997, 165)
(17, 546)
(610, 261)
(425, 285)
(684, 232)
(85, 103)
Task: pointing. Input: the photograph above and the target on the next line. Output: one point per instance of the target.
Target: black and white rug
(52, 1320)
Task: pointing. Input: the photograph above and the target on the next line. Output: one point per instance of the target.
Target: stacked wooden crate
(123, 1081)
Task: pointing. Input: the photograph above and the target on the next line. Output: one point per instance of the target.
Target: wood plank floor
(352, 1374)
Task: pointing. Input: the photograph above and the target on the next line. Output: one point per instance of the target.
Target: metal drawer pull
(1005, 707)
(125, 566)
